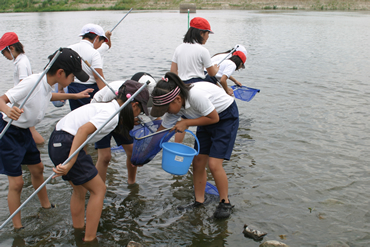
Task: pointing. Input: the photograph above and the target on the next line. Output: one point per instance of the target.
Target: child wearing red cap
(191, 58)
(226, 69)
(12, 49)
(72, 131)
(17, 146)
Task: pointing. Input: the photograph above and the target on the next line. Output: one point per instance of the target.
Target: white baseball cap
(93, 28)
(242, 49)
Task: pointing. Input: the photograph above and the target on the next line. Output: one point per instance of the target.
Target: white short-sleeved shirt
(87, 52)
(105, 94)
(22, 68)
(97, 114)
(191, 60)
(227, 68)
(37, 103)
(204, 97)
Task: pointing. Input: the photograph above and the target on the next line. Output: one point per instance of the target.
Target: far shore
(317, 5)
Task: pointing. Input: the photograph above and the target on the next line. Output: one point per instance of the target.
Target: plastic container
(177, 157)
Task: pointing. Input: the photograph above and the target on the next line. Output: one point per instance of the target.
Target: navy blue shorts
(77, 88)
(17, 147)
(211, 79)
(217, 140)
(192, 80)
(83, 170)
(120, 140)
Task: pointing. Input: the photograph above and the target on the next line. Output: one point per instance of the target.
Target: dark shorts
(17, 147)
(83, 170)
(120, 140)
(78, 87)
(211, 79)
(192, 80)
(217, 140)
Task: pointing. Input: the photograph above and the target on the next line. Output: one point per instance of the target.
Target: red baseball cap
(201, 23)
(241, 55)
(8, 39)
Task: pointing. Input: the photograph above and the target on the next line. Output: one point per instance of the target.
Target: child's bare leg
(37, 178)
(219, 174)
(14, 198)
(78, 205)
(199, 176)
(97, 189)
(36, 136)
(104, 157)
(131, 170)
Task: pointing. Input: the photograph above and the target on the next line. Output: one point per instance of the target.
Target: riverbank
(80, 5)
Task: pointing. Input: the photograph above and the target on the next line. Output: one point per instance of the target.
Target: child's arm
(223, 83)
(211, 118)
(174, 68)
(212, 71)
(12, 112)
(235, 81)
(82, 133)
(80, 95)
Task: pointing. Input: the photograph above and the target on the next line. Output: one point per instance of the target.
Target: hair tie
(165, 79)
(128, 96)
(117, 93)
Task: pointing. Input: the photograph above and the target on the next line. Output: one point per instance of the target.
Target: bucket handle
(160, 144)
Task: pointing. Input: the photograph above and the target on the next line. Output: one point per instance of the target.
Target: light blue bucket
(177, 157)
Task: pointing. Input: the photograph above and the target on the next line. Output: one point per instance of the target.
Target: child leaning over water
(216, 114)
(17, 146)
(72, 131)
(12, 49)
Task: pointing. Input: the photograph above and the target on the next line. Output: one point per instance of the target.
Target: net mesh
(244, 93)
(144, 150)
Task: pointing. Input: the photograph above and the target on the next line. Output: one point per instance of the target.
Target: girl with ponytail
(72, 131)
(207, 106)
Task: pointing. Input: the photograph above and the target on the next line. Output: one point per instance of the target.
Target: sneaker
(223, 210)
(195, 204)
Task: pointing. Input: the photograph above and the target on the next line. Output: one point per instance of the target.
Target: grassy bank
(69, 5)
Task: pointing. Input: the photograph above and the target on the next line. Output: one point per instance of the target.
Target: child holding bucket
(12, 49)
(216, 114)
(72, 131)
(103, 146)
(17, 146)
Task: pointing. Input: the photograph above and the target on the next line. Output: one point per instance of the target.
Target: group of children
(183, 97)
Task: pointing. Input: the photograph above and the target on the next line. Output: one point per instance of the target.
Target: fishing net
(244, 93)
(145, 149)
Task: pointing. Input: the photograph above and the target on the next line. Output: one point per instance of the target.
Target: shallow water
(299, 167)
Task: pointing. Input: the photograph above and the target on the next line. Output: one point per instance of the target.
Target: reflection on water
(299, 166)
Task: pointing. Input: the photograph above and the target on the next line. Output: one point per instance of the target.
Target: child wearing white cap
(103, 146)
(93, 37)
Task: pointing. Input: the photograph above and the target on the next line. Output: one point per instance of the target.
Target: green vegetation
(73, 5)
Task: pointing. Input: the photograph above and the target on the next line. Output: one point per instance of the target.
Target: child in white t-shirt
(216, 114)
(17, 146)
(72, 131)
(12, 49)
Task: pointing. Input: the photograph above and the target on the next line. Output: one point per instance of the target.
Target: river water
(299, 169)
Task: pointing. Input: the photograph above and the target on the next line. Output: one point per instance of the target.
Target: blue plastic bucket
(177, 157)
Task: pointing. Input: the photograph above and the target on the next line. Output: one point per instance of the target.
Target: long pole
(228, 54)
(121, 20)
(33, 89)
(101, 78)
(76, 152)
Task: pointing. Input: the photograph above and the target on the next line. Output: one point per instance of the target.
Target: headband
(166, 98)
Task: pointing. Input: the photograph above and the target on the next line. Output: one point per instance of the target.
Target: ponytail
(126, 116)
